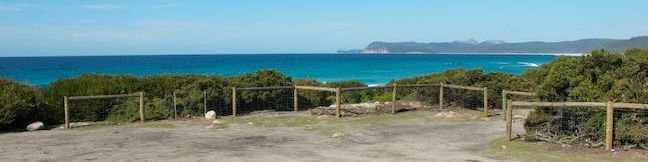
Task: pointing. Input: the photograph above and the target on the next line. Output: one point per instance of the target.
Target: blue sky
(91, 27)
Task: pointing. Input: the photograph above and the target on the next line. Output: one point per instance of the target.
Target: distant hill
(497, 46)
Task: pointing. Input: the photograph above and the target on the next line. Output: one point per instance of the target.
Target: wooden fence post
(609, 126)
(141, 106)
(393, 108)
(295, 99)
(234, 101)
(441, 97)
(66, 112)
(337, 101)
(205, 102)
(485, 101)
(175, 107)
(504, 99)
(509, 120)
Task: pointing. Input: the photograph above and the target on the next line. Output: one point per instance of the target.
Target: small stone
(448, 114)
(211, 114)
(217, 122)
(79, 124)
(503, 147)
(337, 134)
(210, 126)
(35, 126)
(250, 123)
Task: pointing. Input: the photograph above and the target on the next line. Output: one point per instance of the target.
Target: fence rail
(317, 88)
(266, 88)
(102, 96)
(609, 122)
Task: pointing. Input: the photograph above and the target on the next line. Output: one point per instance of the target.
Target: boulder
(337, 134)
(35, 126)
(79, 124)
(448, 114)
(211, 114)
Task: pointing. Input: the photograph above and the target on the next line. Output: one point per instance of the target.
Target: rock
(79, 124)
(629, 147)
(35, 126)
(211, 114)
(337, 134)
(217, 122)
(448, 114)
(210, 126)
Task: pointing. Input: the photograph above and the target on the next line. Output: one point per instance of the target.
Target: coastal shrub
(19, 105)
(598, 77)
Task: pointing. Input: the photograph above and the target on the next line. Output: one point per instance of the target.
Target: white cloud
(103, 7)
(161, 24)
(166, 5)
(12, 8)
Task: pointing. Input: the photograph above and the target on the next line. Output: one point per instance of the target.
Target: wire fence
(354, 101)
(264, 98)
(98, 107)
(629, 127)
(589, 122)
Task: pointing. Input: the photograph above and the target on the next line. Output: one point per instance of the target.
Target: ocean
(371, 69)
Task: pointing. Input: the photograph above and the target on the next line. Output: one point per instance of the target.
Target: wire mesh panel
(111, 108)
(195, 102)
(630, 126)
(269, 98)
(463, 98)
(220, 101)
(565, 125)
(417, 97)
(93, 110)
(593, 124)
(189, 103)
(317, 102)
(367, 100)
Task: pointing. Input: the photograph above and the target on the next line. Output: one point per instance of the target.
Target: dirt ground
(419, 138)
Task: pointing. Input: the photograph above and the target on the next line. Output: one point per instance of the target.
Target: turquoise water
(371, 69)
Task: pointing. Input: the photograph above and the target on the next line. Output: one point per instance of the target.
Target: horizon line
(306, 53)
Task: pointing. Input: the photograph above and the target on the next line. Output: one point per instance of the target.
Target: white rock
(79, 124)
(337, 134)
(211, 114)
(217, 122)
(35, 126)
(448, 114)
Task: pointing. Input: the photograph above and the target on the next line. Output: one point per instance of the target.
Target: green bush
(19, 105)
(599, 77)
